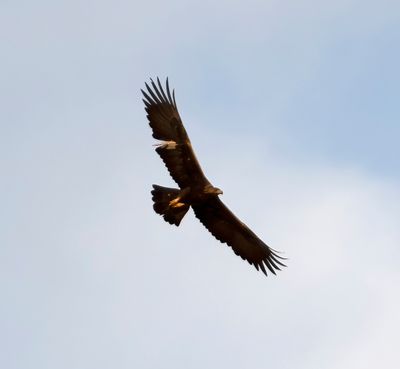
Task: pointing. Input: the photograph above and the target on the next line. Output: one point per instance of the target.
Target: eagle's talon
(175, 203)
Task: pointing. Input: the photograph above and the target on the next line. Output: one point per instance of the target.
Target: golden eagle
(194, 188)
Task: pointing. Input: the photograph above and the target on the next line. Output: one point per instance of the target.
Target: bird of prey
(195, 190)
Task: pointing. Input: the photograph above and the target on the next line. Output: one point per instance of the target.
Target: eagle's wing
(227, 228)
(176, 151)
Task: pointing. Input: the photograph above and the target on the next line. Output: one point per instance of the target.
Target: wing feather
(227, 228)
(161, 89)
(164, 119)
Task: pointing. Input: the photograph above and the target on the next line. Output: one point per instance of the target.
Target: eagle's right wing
(176, 151)
(227, 228)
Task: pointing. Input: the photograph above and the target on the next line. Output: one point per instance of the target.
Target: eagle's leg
(177, 202)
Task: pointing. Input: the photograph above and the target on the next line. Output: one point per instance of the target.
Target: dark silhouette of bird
(195, 190)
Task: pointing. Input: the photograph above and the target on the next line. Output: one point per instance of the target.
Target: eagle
(195, 190)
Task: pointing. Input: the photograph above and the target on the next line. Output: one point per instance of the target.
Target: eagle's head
(209, 189)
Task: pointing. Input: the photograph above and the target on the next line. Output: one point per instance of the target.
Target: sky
(293, 111)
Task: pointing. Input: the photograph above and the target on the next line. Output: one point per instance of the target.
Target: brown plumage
(194, 188)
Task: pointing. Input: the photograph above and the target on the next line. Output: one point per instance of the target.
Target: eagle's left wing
(176, 149)
(227, 228)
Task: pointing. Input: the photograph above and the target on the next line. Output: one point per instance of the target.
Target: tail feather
(162, 196)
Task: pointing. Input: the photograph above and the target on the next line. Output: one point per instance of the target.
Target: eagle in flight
(195, 190)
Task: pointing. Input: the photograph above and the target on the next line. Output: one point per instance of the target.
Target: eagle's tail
(166, 203)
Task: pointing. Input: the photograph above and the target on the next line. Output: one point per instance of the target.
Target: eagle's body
(195, 190)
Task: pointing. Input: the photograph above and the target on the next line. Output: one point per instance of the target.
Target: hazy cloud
(292, 111)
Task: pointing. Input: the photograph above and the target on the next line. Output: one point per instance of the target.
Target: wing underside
(227, 228)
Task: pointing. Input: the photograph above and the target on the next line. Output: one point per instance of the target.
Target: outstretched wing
(176, 151)
(227, 228)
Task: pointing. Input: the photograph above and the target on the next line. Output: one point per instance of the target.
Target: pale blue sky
(293, 109)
